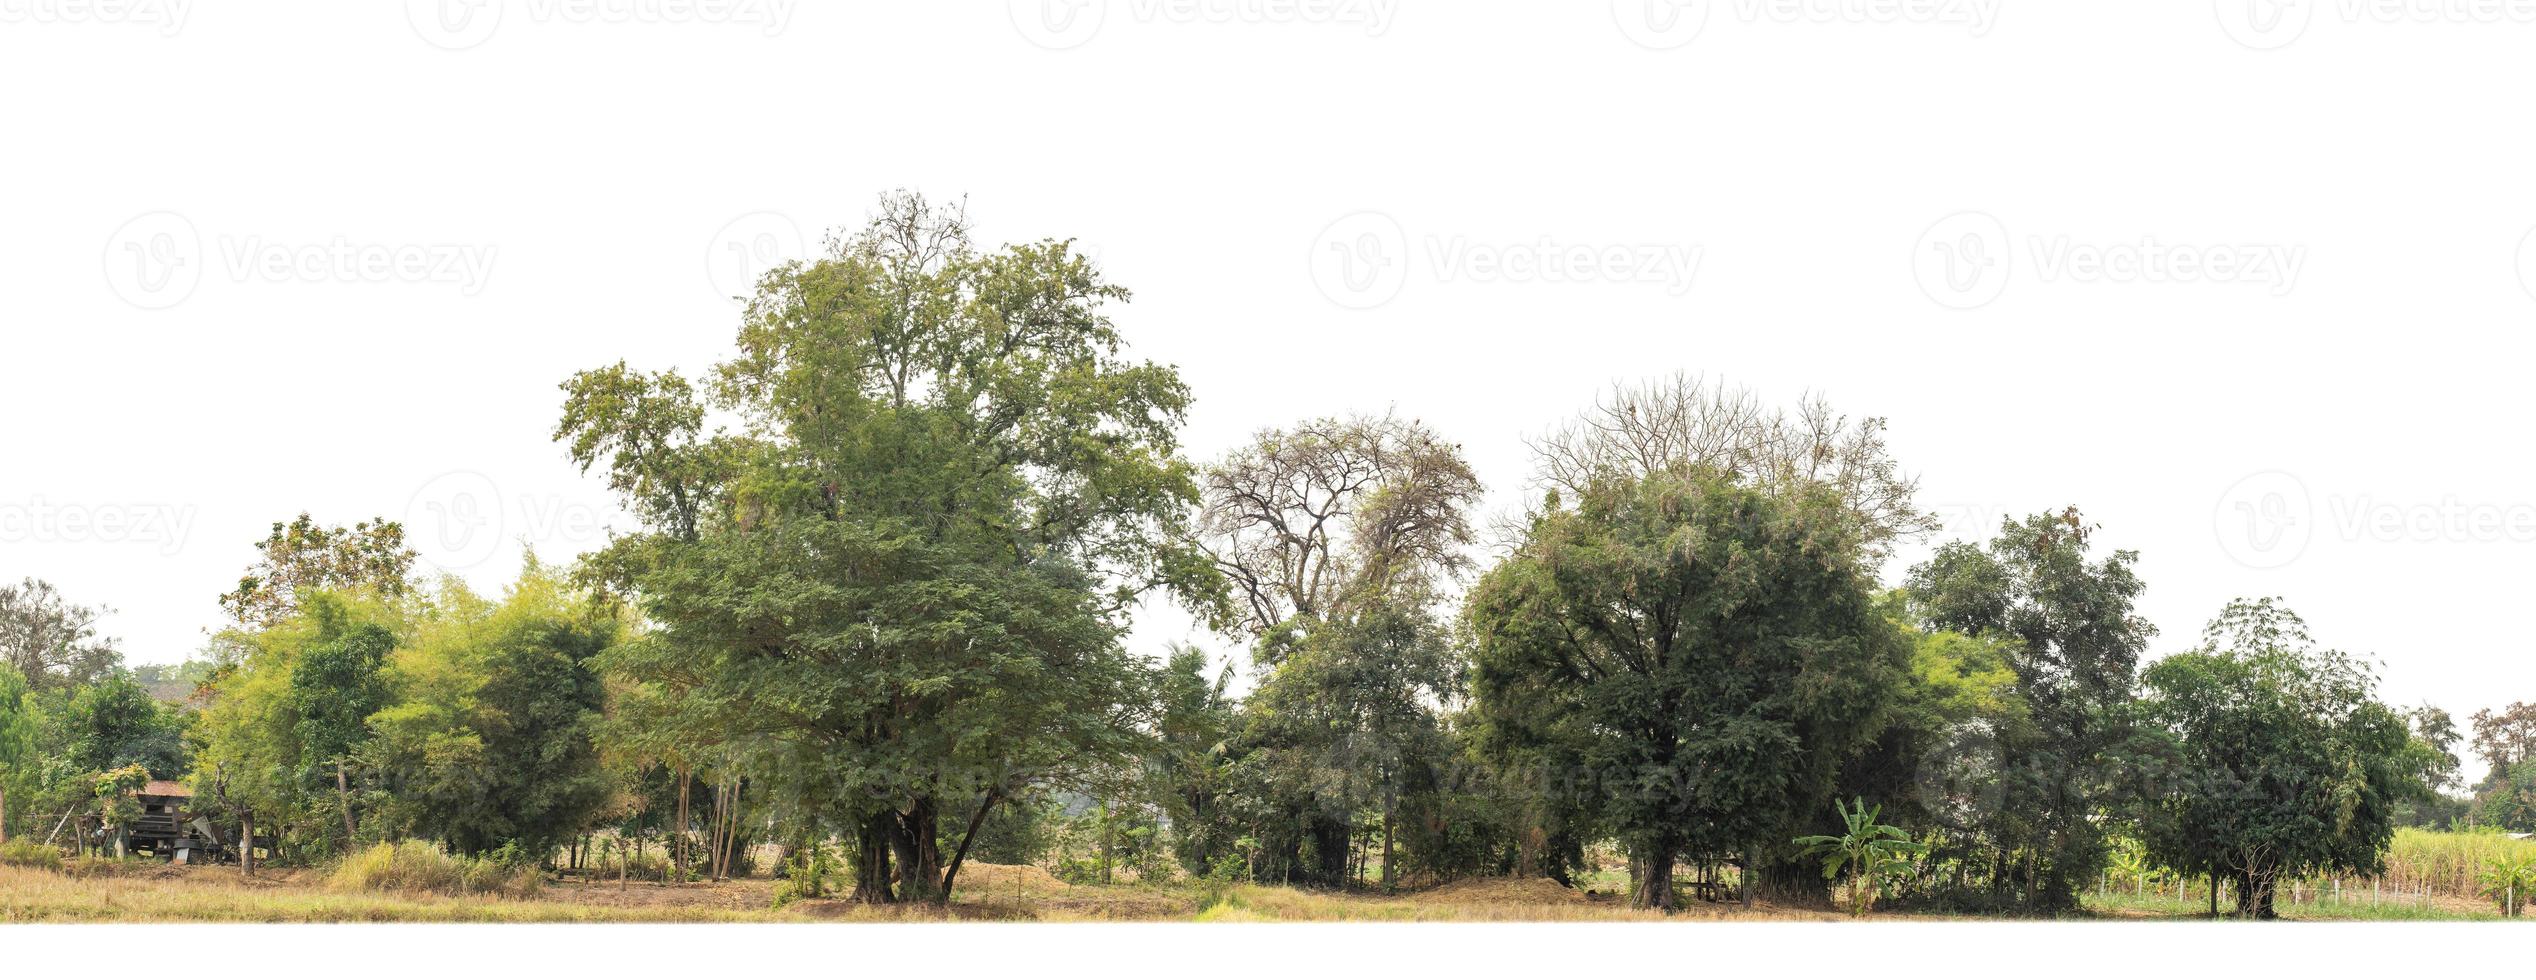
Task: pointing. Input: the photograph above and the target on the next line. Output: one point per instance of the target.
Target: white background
(573, 184)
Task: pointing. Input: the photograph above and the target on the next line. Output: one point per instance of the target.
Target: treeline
(876, 612)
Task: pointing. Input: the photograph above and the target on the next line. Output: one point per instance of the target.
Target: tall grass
(23, 853)
(2450, 863)
(415, 866)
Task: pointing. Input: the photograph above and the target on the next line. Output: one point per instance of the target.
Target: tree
(51, 641)
(1863, 853)
(303, 555)
(293, 699)
(335, 688)
(17, 738)
(910, 572)
(1305, 522)
(2282, 763)
(1337, 536)
(491, 729)
(115, 723)
(2506, 737)
(1712, 652)
(1684, 423)
(2075, 646)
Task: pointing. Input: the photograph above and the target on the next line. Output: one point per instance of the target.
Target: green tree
(305, 556)
(115, 723)
(1713, 652)
(2075, 645)
(492, 727)
(18, 732)
(1338, 536)
(2283, 764)
(334, 688)
(910, 573)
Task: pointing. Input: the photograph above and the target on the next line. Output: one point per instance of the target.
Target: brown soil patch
(1507, 891)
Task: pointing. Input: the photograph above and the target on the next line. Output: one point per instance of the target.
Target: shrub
(24, 853)
(415, 866)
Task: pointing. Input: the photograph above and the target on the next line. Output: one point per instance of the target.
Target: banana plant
(2508, 883)
(1865, 852)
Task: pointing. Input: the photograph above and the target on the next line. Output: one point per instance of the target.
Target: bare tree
(1305, 520)
(52, 641)
(1683, 422)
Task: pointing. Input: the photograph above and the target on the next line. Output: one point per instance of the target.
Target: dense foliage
(876, 614)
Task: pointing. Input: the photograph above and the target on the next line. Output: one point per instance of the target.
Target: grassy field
(142, 892)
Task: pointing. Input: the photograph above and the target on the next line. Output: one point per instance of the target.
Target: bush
(415, 866)
(22, 853)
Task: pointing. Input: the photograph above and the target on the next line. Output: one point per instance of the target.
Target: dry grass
(168, 894)
(108, 891)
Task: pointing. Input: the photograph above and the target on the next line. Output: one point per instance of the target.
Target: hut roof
(166, 787)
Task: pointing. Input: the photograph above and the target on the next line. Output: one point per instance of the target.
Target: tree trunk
(246, 844)
(678, 832)
(343, 796)
(919, 852)
(1389, 808)
(871, 860)
(4, 815)
(1105, 842)
(1651, 875)
(952, 873)
(1329, 852)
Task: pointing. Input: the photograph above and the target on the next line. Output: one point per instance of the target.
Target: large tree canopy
(2074, 643)
(2280, 761)
(1709, 654)
(911, 568)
